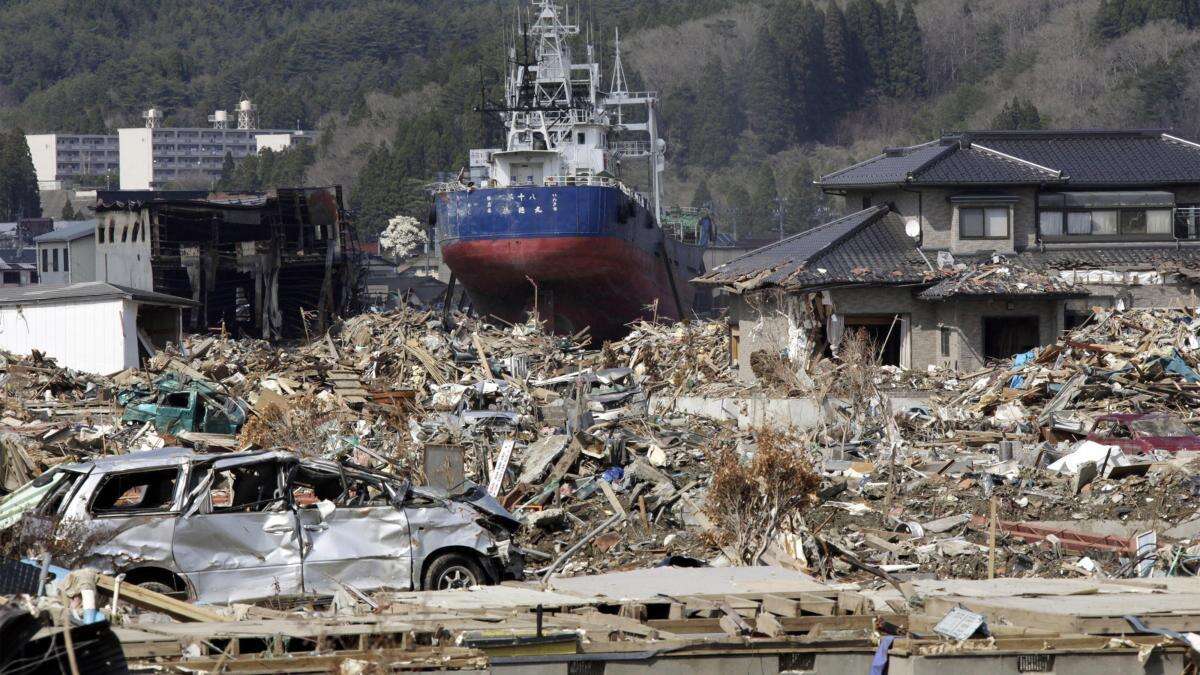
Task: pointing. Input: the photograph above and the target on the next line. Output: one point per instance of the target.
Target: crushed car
(1143, 433)
(241, 527)
(175, 407)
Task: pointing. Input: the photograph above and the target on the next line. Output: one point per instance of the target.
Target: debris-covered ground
(1075, 461)
(572, 432)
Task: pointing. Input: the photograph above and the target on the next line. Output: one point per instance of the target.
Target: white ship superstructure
(561, 127)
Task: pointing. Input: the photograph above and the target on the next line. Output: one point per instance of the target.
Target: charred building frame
(271, 265)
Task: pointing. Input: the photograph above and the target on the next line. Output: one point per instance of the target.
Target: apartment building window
(991, 222)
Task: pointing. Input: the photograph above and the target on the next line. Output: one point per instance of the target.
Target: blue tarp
(1018, 361)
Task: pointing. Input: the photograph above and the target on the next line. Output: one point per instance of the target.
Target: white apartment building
(153, 157)
(63, 158)
(150, 157)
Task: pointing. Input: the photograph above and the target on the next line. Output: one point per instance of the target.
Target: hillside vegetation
(758, 97)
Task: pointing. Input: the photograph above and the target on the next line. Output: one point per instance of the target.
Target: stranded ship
(547, 224)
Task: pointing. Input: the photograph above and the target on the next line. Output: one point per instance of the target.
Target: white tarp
(1090, 451)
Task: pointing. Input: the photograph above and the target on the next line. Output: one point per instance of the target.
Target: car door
(238, 539)
(174, 413)
(129, 515)
(353, 532)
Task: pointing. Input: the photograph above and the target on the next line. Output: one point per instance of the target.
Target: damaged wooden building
(975, 247)
(271, 265)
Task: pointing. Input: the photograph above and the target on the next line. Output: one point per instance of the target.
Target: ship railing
(596, 181)
(631, 148)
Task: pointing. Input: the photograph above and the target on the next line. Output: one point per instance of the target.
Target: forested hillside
(758, 96)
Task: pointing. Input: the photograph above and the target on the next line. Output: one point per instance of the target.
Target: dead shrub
(752, 501)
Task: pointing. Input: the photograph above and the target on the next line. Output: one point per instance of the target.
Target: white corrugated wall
(95, 337)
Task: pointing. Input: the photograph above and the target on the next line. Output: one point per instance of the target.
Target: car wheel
(453, 570)
(159, 587)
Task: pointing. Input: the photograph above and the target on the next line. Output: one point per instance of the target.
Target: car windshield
(1163, 427)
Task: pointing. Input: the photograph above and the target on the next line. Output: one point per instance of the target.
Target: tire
(159, 587)
(453, 570)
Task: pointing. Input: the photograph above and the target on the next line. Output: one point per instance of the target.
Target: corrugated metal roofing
(69, 231)
(86, 290)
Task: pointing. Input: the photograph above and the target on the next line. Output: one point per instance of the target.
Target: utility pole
(780, 212)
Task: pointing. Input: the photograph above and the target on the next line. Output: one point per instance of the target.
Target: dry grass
(752, 501)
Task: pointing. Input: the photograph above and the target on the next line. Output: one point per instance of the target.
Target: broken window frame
(118, 512)
(387, 492)
(63, 492)
(270, 505)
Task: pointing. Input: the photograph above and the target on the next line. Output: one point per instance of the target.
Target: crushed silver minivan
(236, 527)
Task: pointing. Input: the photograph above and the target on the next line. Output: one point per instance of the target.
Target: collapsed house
(976, 246)
(270, 265)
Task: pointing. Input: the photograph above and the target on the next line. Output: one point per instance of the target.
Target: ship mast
(553, 104)
(619, 97)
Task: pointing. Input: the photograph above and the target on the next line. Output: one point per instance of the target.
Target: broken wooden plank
(609, 494)
(157, 602)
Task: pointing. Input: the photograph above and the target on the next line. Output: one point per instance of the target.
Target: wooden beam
(157, 602)
(606, 488)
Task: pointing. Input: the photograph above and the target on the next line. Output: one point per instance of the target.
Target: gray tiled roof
(1073, 157)
(869, 246)
(892, 167)
(1104, 158)
(974, 166)
(1144, 257)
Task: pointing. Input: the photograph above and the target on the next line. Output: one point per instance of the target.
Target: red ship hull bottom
(599, 282)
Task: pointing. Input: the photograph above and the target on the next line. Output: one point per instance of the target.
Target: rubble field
(1076, 461)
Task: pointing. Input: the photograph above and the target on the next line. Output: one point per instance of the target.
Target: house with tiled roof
(977, 246)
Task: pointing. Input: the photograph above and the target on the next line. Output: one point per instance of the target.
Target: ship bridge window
(582, 138)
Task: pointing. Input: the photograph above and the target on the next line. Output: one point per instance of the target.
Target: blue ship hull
(577, 255)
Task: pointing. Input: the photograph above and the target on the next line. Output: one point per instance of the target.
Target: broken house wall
(95, 337)
(122, 258)
(768, 321)
(965, 317)
(254, 267)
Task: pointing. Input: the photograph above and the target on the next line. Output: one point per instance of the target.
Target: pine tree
(714, 133)
(1159, 92)
(868, 42)
(1018, 113)
(1109, 20)
(68, 211)
(763, 193)
(702, 198)
(767, 90)
(890, 25)
(809, 74)
(19, 197)
(228, 167)
(838, 59)
(907, 66)
(807, 205)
